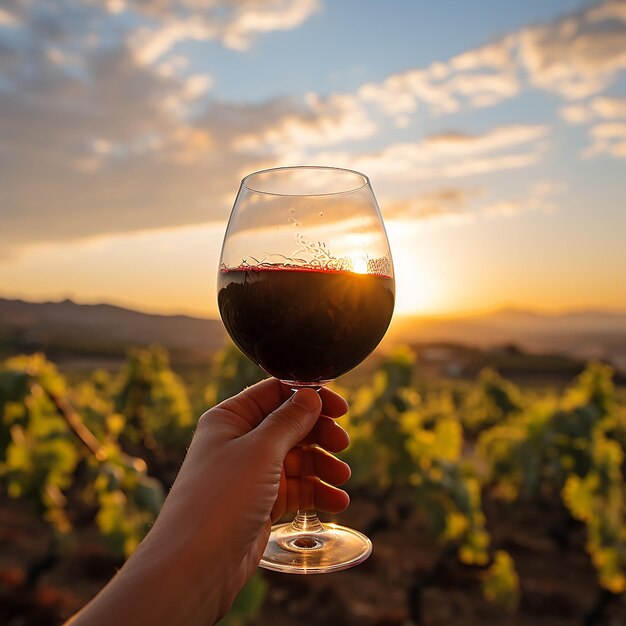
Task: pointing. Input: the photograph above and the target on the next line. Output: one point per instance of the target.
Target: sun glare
(417, 287)
(359, 265)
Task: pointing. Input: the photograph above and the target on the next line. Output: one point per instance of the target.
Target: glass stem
(307, 521)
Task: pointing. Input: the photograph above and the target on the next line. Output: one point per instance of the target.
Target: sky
(493, 133)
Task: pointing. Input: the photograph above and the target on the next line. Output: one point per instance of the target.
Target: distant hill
(101, 330)
(585, 334)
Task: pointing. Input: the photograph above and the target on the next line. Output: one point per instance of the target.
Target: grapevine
(101, 449)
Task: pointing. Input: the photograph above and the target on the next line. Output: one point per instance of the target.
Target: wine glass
(306, 290)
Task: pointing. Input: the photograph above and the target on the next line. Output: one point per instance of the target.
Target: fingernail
(306, 399)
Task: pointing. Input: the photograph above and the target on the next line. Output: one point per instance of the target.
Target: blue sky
(350, 42)
(494, 134)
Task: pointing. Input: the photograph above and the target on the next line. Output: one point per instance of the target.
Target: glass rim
(271, 170)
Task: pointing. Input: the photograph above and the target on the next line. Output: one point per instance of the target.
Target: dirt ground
(558, 585)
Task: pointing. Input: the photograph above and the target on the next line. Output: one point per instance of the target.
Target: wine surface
(305, 325)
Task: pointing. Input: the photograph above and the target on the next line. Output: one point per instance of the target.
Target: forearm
(215, 523)
(182, 572)
(163, 584)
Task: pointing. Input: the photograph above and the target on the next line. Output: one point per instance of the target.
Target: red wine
(305, 325)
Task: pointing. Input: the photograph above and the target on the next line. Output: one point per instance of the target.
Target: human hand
(242, 472)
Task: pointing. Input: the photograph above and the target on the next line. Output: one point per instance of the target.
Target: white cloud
(576, 56)
(608, 133)
(107, 153)
(579, 55)
(540, 198)
(497, 55)
(113, 149)
(323, 122)
(104, 126)
(455, 206)
(444, 205)
(252, 18)
(401, 93)
(449, 155)
(234, 24)
(485, 89)
(455, 143)
(610, 108)
(197, 85)
(598, 108)
(607, 138)
(480, 77)
(576, 113)
(471, 167)
(149, 44)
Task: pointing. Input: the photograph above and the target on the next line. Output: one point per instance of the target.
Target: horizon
(506, 309)
(495, 141)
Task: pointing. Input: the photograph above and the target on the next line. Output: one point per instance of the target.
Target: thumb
(291, 422)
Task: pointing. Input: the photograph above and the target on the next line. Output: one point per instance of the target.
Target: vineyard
(486, 502)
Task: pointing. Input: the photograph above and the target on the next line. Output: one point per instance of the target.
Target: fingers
(294, 422)
(291, 422)
(329, 435)
(333, 405)
(258, 401)
(308, 480)
(311, 493)
(306, 493)
(313, 461)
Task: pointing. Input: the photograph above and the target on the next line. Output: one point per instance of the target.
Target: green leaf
(501, 582)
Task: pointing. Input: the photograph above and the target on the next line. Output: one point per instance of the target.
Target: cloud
(607, 138)
(442, 205)
(608, 132)
(496, 55)
(441, 89)
(603, 108)
(8, 20)
(505, 208)
(105, 127)
(197, 85)
(458, 143)
(455, 206)
(576, 56)
(254, 17)
(540, 198)
(401, 93)
(234, 24)
(320, 122)
(109, 153)
(111, 144)
(471, 167)
(485, 89)
(450, 154)
(149, 44)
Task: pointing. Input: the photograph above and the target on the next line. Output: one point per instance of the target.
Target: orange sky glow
(496, 154)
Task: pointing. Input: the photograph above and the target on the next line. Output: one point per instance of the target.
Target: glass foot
(330, 549)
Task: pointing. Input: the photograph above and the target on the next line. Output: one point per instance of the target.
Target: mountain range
(104, 329)
(584, 334)
(63, 328)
